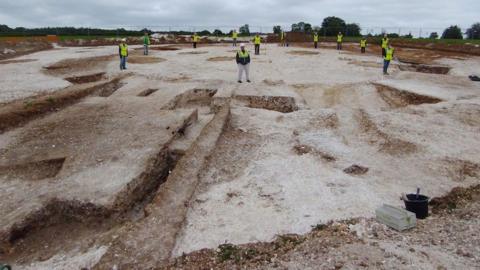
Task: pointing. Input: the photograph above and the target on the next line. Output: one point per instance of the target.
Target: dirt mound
(457, 197)
(458, 169)
(140, 59)
(86, 78)
(221, 58)
(397, 98)
(303, 53)
(282, 104)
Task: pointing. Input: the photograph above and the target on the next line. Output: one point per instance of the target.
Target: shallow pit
(33, 171)
(192, 98)
(86, 78)
(281, 104)
(397, 98)
(147, 92)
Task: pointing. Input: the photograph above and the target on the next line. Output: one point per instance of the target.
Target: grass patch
(228, 252)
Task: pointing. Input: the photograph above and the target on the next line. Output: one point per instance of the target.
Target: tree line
(329, 27)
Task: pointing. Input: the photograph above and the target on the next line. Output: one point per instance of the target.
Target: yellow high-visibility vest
(339, 38)
(385, 43)
(315, 38)
(389, 55)
(244, 54)
(257, 40)
(282, 35)
(195, 38)
(234, 35)
(363, 43)
(123, 49)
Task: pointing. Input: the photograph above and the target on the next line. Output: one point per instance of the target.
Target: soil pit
(86, 78)
(147, 92)
(163, 48)
(397, 98)
(425, 68)
(140, 59)
(32, 171)
(281, 104)
(221, 59)
(303, 53)
(192, 98)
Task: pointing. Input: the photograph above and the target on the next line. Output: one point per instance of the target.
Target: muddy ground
(172, 164)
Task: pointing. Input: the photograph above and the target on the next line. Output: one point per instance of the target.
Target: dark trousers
(384, 52)
(257, 49)
(194, 45)
(234, 42)
(339, 45)
(363, 49)
(386, 63)
(315, 44)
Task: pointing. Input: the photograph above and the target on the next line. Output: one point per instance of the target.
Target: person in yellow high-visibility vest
(363, 44)
(195, 38)
(385, 43)
(123, 53)
(257, 40)
(339, 40)
(315, 40)
(282, 38)
(243, 63)
(234, 37)
(387, 58)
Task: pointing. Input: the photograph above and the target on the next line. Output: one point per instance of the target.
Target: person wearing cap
(257, 40)
(243, 62)
(146, 43)
(123, 53)
(387, 58)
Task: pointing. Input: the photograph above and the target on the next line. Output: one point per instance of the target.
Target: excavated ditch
(192, 98)
(32, 171)
(281, 104)
(86, 78)
(432, 69)
(397, 98)
(147, 92)
(19, 112)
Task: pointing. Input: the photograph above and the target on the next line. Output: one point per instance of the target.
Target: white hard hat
(242, 44)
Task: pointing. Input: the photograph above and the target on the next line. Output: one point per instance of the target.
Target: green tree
(277, 29)
(332, 25)
(474, 31)
(352, 30)
(244, 30)
(409, 35)
(302, 27)
(452, 32)
(434, 35)
(217, 32)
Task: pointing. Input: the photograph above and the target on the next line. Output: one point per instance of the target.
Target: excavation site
(173, 164)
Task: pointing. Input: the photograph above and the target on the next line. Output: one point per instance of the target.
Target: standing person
(385, 43)
(257, 40)
(363, 44)
(315, 40)
(282, 38)
(339, 40)
(146, 43)
(243, 62)
(387, 58)
(234, 36)
(195, 40)
(123, 53)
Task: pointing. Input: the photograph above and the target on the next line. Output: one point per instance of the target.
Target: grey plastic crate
(395, 217)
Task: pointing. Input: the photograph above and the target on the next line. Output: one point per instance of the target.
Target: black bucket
(417, 204)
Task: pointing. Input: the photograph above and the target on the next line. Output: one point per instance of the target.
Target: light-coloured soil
(137, 168)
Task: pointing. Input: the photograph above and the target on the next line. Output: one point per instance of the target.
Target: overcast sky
(115, 13)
